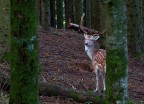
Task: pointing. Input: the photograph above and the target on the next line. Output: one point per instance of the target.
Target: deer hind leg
(97, 79)
(104, 74)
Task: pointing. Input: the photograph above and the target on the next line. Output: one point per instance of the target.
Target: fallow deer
(97, 56)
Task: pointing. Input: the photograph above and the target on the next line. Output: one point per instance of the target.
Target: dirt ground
(65, 63)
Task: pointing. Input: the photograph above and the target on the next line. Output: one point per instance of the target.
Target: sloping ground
(64, 62)
(136, 78)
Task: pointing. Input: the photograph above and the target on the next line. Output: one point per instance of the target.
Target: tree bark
(24, 53)
(4, 28)
(79, 96)
(88, 13)
(95, 14)
(68, 11)
(53, 13)
(60, 11)
(139, 33)
(117, 52)
(43, 14)
(47, 15)
(39, 12)
(102, 25)
(135, 33)
(77, 11)
(142, 34)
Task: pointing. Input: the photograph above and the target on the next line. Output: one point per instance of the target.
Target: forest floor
(65, 63)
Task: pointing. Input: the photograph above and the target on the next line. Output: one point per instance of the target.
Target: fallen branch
(76, 27)
(47, 89)
(79, 96)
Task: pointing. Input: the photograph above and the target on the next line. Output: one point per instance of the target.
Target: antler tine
(81, 23)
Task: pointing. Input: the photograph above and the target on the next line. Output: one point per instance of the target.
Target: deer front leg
(104, 86)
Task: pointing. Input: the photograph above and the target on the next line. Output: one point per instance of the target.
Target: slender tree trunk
(78, 10)
(72, 10)
(24, 54)
(43, 14)
(143, 10)
(117, 52)
(142, 25)
(68, 11)
(95, 14)
(4, 27)
(47, 15)
(60, 19)
(53, 13)
(88, 13)
(39, 12)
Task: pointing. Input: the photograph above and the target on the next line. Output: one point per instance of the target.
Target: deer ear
(96, 37)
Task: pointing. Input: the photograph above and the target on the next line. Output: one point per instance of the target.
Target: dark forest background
(36, 34)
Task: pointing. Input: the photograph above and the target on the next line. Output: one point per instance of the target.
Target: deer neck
(89, 51)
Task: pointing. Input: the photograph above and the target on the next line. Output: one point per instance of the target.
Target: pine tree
(24, 54)
(117, 52)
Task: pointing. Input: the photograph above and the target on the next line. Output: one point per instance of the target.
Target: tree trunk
(79, 96)
(102, 41)
(135, 34)
(142, 34)
(117, 52)
(88, 13)
(24, 54)
(43, 13)
(47, 15)
(138, 30)
(95, 14)
(68, 11)
(4, 27)
(60, 12)
(78, 10)
(72, 10)
(39, 12)
(53, 13)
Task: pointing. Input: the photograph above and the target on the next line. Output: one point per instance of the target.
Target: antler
(82, 28)
(81, 23)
